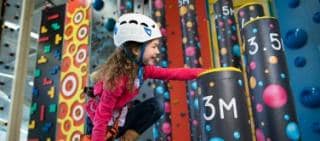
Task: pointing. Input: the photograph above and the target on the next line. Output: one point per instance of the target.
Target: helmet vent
(133, 21)
(144, 24)
(123, 22)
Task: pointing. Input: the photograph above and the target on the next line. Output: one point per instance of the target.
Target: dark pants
(140, 117)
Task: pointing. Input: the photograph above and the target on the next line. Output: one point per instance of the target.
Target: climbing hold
(47, 48)
(57, 54)
(316, 127)
(35, 92)
(310, 97)
(98, 4)
(37, 73)
(52, 108)
(316, 17)
(296, 38)
(32, 124)
(42, 112)
(58, 38)
(55, 26)
(109, 24)
(33, 108)
(42, 60)
(43, 39)
(51, 92)
(293, 3)
(55, 70)
(300, 61)
(46, 81)
(43, 29)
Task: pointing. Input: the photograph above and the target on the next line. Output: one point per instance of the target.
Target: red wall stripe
(179, 109)
(206, 53)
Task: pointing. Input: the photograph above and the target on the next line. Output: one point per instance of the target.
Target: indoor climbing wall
(270, 91)
(206, 59)
(162, 129)
(101, 38)
(10, 17)
(179, 110)
(43, 110)
(300, 27)
(245, 13)
(224, 106)
(126, 6)
(74, 71)
(192, 59)
(10, 14)
(228, 46)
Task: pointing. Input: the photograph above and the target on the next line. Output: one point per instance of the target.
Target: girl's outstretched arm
(172, 73)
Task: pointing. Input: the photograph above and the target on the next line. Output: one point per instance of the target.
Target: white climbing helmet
(135, 27)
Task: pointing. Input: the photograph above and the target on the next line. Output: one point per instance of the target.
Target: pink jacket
(100, 112)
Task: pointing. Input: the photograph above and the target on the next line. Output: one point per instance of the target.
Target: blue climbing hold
(296, 38)
(98, 4)
(129, 5)
(109, 24)
(316, 127)
(316, 17)
(293, 3)
(159, 90)
(300, 61)
(310, 97)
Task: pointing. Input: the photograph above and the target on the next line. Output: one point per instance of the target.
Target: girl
(119, 79)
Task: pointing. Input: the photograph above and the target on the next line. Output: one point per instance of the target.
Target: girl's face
(151, 52)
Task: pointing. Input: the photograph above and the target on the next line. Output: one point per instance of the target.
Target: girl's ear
(135, 51)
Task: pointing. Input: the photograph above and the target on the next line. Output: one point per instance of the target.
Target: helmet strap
(139, 61)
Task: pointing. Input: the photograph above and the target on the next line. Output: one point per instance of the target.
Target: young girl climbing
(118, 81)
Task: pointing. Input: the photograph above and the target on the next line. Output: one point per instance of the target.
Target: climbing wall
(10, 13)
(192, 59)
(226, 34)
(224, 106)
(74, 71)
(300, 28)
(162, 129)
(270, 91)
(179, 111)
(45, 95)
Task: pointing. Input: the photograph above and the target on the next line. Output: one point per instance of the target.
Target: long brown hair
(118, 65)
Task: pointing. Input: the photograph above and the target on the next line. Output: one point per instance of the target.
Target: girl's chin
(151, 63)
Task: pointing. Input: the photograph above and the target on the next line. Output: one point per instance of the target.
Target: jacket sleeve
(104, 111)
(154, 72)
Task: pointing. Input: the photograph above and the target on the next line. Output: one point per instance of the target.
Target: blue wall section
(305, 70)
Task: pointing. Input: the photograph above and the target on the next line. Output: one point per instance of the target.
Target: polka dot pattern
(229, 54)
(192, 59)
(269, 86)
(162, 129)
(224, 105)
